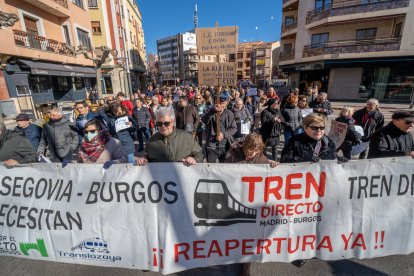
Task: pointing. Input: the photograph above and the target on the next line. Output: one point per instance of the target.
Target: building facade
(40, 58)
(264, 63)
(117, 24)
(153, 71)
(350, 49)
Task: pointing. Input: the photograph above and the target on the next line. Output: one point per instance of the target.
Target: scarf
(92, 150)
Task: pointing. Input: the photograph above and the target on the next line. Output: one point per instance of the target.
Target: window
(398, 30)
(83, 39)
(240, 64)
(122, 11)
(289, 20)
(66, 33)
(247, 63)
(260, 52)
(321, 5)
(366, 33)
(239, 55)
(96, 27)
(79, 83)
(319, 40)
(247, 55)
(78, 3)
(260, 72)
(287, 48)
(39, 84)
(22, 90)
(92, 3)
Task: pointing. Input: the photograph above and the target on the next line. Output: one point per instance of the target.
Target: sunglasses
(166, 124)
(317, 128)
(91, 131)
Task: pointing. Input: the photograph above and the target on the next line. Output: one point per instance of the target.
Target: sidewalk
(358, 105)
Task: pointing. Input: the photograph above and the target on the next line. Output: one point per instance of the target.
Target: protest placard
(214, 41)
(251, 91)
(122, 123)
(338, 132)
(213, 73)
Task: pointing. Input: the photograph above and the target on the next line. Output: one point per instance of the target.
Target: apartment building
(178, 58)
(350, 48)
(243, 59)
(117, 25)
(40, 58)
(264, 63)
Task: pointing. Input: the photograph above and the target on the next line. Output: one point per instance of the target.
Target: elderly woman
(98, 146)
(352, 136)
(250, 152)
(312, 145)
(293, 117)
(272, 124)
(241, 116)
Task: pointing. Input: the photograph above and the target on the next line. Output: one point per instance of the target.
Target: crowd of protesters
(192, 125)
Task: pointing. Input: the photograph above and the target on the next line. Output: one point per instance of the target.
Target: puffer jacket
(369, 121)
(32, 133)
(60, 138)
(293, 117)
(15, 146)
(300, 148)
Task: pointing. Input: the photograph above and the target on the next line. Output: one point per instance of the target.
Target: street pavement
(391, 265)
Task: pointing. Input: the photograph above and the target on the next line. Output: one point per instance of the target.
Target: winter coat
(271, 130)
(293, 117)
(173, 148)
(142, 117)
(112, 151)
(125, 136)
(369, 121)
(60, 138)
(324, 105)
(258, 114)
(351, 134)
(250, 107)
(390, 141)
(228, 126)
(240, 116)
(236, 155)
(15, 146)
(32, 133)
(300, 148)
(187, 118)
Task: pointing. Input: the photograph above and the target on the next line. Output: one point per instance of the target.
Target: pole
(128, 92)
(99, 81)
(218, 96)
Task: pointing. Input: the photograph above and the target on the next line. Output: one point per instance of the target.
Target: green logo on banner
(39, 245)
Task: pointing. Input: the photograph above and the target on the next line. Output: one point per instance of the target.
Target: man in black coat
(394, 139)
(31, 131)
(142, 117)
(272, 125)
(14, 148)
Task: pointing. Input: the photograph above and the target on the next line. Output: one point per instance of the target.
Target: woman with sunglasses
(98, 146)
(312, 145)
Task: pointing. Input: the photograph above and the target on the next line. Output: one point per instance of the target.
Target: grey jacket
(292, 116)
(61, 139)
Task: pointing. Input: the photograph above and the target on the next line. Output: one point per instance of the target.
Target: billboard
(189, 41)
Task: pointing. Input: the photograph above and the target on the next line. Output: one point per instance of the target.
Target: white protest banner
(122, 123)
(207, 214)
(338, 132)
(216, 74)
(306, 112)
(214, 41)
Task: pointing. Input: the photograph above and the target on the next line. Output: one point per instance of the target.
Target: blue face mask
(89, 136)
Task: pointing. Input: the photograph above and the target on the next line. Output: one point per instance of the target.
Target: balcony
(353, 46)
(287, 26)
(348, 7)
(56, 7)
(287, 55)
(26, 40)
(288, 4)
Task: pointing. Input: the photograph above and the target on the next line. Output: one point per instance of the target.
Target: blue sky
(162, 18)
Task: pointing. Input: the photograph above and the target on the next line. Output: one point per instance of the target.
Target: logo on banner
(214, 205)
(38, 246)
(90, 249)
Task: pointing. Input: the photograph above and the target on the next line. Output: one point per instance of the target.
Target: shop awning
(52, 69)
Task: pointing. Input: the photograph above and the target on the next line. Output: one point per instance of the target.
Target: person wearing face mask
(99, 147)
(59, 137)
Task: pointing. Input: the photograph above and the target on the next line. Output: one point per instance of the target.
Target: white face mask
(89, 136)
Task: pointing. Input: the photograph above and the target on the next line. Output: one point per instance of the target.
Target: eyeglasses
(409, 122)
(93, 131)
(80, 107)
(166, 124)
(315, 128)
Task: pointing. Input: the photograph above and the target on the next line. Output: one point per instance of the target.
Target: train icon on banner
(214, 205)
(95, 245)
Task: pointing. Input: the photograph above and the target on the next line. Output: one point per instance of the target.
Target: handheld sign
(338, 132)
(213, 41)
